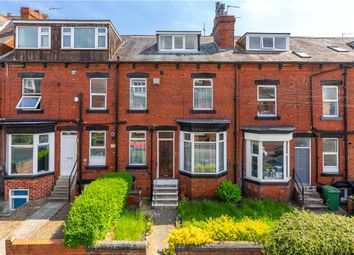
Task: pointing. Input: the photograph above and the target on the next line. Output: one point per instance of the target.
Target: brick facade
(220, 248)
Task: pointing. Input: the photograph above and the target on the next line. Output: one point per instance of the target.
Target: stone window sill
(267, 118)
(203, 111)
(98, 167)
(137, 111)
(136, 167)
(331, 118)
(97, 111)
(20, 111)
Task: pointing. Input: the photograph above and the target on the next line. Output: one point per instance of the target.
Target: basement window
(31, 94)
(337, 48)
(18, 198)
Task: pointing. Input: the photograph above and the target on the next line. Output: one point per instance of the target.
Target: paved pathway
(33, 224)
(164, 221)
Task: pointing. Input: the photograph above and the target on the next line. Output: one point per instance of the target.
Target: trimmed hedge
(304, 233)
(95, 211)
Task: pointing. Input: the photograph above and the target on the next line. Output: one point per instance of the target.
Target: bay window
(203, 152)
(30, 153)
(330, 155)
(97, 148)
(137, 148)
(267, 156)
(33, 37)
(84, 38)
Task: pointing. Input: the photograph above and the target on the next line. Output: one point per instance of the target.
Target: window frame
(98, 94)
(91, 158)
(51, 142)
(39, 42)
(72, 38)
(330, 169)
(130, 93)
(25, 95)
(137, 139)
(260, 138)
(330, 101)
(261, 45)
(11, 205)
(173, 42)
(193, 142)
(275, 100)
(211, 87)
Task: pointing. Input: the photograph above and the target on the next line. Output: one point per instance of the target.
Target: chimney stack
(9, 14)
(28, 13)
(224, 27)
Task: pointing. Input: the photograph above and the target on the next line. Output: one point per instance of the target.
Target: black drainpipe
(116, 117)
(80, 124)
(235, 125)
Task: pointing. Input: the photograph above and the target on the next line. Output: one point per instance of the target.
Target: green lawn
(197, 212)
(132, 226)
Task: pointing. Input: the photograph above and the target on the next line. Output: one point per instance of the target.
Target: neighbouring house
(180, 111)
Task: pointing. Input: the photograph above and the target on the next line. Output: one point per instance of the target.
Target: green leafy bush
(229, 192)
(304, 233)
(96, 210)
(131, 226)
(225, 228)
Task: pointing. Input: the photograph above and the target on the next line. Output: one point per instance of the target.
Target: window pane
(330, 160)
(280, 43)
(203, 98)
(22, 139)
(266, 92)
(43, 139)
(329, 145)
(202, 83)
(221, 156)
(98, 152)
(166, 42)
(178, 42)
(138, 96)
(18, 202)
(137, 135)
(254, 170)
(29, 102)
(67, 30)
(21, 160)
(98, 101)
(45, 29)
(273, 158)
(84, 38)
(102, 41)
(330, 93)
(254, 42)
(137, 151)
(255, 146)
(221, 137)
(207, 137)
(43, 158)
(27, 37)
(191, 42)
(330, 108)
(268, 42)
(187, 136)
(101, 30)
(302, 142)
(32, 86)
(67, 41)
(97, 139)
(19, 192)
(98, 85)
(166, 135)
(266, 108)
(187, 156)
(45, 41)
(205, 158)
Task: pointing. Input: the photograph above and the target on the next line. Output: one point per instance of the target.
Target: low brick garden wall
(57, 247)
(220, 248)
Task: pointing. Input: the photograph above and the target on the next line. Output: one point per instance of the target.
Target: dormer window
(29, 37)
(178, 41)
(266, 42)
(84, 38)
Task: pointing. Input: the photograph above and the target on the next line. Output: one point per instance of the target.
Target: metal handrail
(302, 187)
(157, 169)
(72, 177)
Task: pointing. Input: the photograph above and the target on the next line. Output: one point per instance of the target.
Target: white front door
(68, 152)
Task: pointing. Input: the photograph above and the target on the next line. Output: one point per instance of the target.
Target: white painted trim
(204, 87)
(72, 38)
(29, 108)
(173, 35)
(130, 92)
(330, 169)
(38, 38)
(11, 206)
(98, 94)
(62, 149)
(137, 139)
(100, 158)
(330, 101)
(261, 36)
(158, 151)
(269, 137)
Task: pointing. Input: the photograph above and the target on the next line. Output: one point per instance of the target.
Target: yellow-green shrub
(226, 228)
(187, 235)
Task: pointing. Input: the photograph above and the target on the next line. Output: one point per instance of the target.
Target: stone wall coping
(220, 246)
(120, 245)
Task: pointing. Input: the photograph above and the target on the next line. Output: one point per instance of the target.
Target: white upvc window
(18, 198)
(31, 94)
(330, 155)
(178, 42)
(137, 148)
(84, 37)
(97, 148)
(138, 94)
(203, 152)
(98, 93)
(30, 153)
(267, 42)
(267, 100)
(267, 157)
(29, 37)
(330, 101)
(203, 94)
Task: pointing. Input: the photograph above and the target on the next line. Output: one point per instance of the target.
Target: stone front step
(165, 193)
(162, 205)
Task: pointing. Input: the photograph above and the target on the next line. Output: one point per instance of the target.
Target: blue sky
(299, 17)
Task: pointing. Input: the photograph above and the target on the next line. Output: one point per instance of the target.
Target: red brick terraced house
(180, 111)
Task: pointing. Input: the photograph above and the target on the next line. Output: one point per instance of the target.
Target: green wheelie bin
(331, 197)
